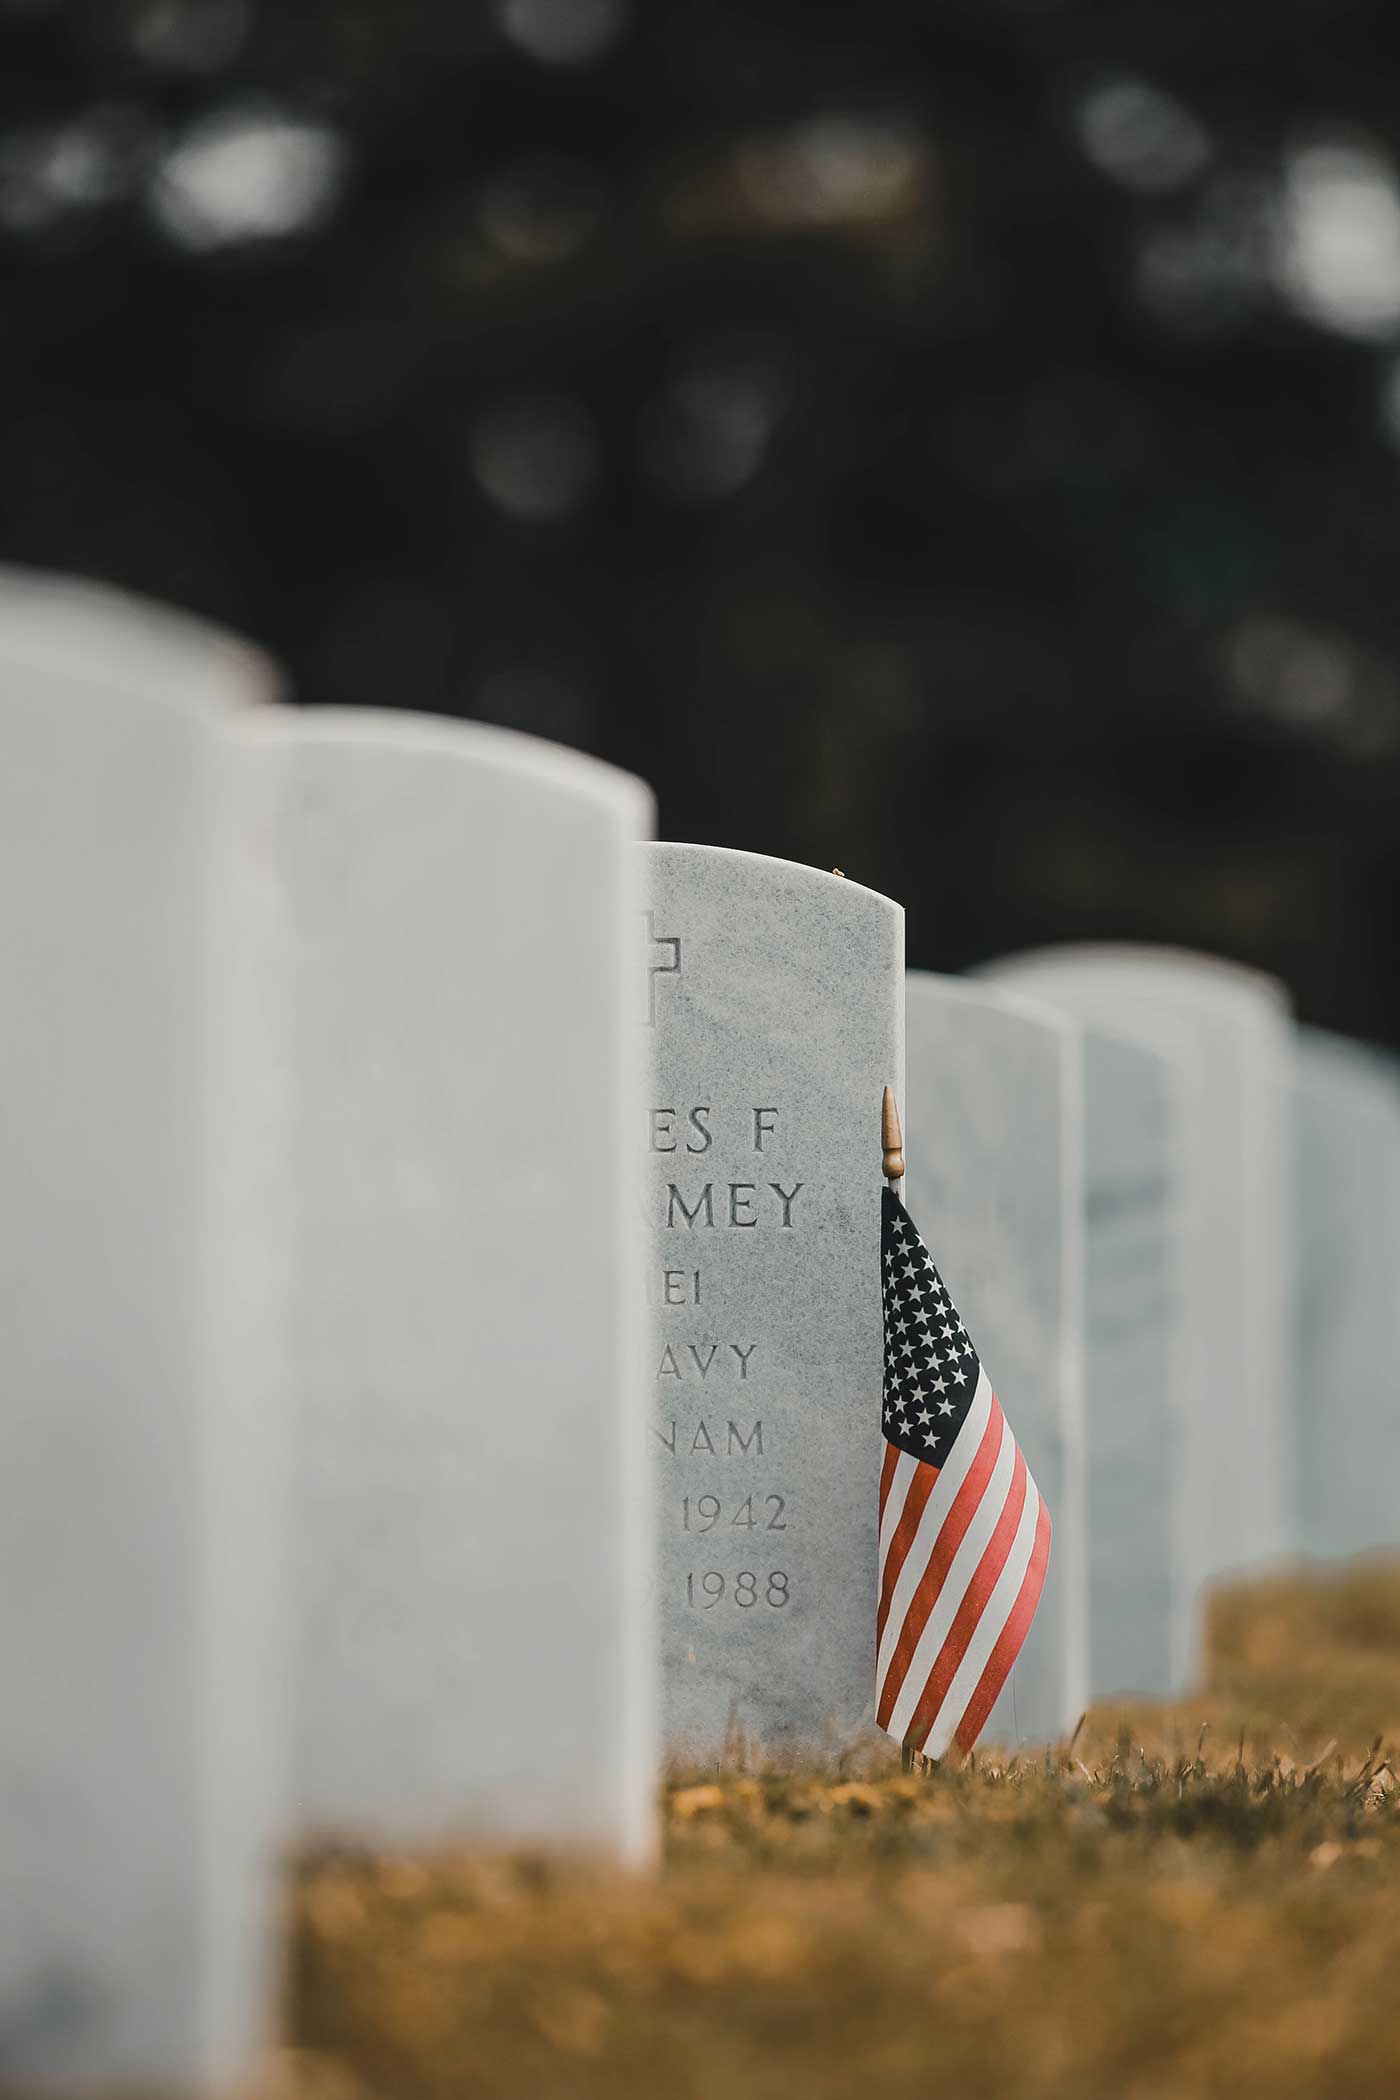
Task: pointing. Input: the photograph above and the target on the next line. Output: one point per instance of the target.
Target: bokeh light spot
(1289, 672)
(706, 435)
(834, 170)
(536, 456)
(48, 171)
(1209, 271)
(1339, 247)
(1141, 136)
(563, 32)
(191, 36)
(248, 174)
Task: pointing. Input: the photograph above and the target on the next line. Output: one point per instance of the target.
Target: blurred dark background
(958, 439)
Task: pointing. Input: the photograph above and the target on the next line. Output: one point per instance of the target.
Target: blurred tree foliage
(960, 440)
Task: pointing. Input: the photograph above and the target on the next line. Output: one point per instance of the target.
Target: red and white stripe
(963, 1553)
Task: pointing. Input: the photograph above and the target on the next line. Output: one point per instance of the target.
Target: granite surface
(994, 1142)
(1227, 1033)
(461, 975)
(135, 1854)
(1141, 1611)
(774, 1016)
(1347, 1104)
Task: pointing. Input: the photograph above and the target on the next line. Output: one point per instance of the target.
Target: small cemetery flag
(964, 1535)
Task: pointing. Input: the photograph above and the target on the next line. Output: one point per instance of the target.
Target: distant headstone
(1141, 1608)
(1226, 1031)
(470, 1512)
(773, 1006)
(1348, 1110)
(994, 1143)
(138, 1613)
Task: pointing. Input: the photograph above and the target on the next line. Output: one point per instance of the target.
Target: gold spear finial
(891, 1137)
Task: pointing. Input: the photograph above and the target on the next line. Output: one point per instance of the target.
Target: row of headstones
(325, 1506)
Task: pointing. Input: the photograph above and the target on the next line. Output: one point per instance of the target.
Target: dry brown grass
(1152, 1914)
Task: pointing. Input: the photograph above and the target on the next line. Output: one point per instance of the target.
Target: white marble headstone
(1226, 1031)
(458, 909)
(1140, 1600)
(774, 1011)
(994, 1144)
(1348, 1112)
(138, 1638)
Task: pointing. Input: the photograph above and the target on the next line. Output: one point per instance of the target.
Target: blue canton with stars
(930, 1363)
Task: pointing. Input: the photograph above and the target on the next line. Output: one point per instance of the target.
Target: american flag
(964, 1535)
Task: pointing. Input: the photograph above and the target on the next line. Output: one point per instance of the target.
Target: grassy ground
(1195, 1901)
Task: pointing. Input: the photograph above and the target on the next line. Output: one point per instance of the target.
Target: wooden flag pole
(892, 1145)
(892, 1139)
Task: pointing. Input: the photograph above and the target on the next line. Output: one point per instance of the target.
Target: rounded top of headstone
(1339, 1068)
(928, 988)
(555, 768)
(1146, 970)
(93, 638)
(763, 872)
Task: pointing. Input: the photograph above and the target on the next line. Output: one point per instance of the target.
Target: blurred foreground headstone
(323, 1497)
(450, 923)
(1225, 1031)
(994, 1141)
(141, 1747)
(1348, 1109)
(772, 999)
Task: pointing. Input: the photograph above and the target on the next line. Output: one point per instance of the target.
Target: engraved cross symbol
(672, 968)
